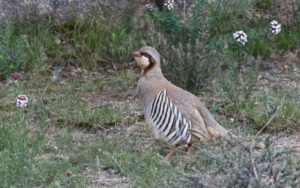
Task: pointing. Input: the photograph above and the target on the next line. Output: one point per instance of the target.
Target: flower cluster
(169, 4)
(15, 77)
(275, 27)
(149, 7)
(240, 36)
(21, 101)
(69, 173)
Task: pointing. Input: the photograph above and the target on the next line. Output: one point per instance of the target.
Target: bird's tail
(213, 127)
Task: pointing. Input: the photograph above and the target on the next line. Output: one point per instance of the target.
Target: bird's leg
(171, 152)
(188, 152)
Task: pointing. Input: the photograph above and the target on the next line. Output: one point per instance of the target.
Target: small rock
(259, 145)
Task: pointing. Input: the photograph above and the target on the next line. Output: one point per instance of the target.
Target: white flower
(149, 7)
(240, 36)
(275, 27)
(21, 101)
(169, 4)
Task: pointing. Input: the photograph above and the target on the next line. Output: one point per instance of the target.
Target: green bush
(190, 66)
(196, 49)
(169, 23)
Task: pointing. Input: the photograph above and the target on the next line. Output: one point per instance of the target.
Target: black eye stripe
(146, 55)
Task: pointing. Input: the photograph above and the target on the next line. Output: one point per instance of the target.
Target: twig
(268, 122)
(254, 169)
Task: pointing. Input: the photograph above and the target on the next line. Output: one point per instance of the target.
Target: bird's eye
(146, 55)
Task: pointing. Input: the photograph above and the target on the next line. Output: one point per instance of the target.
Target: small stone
(55, 148)
(259, 145)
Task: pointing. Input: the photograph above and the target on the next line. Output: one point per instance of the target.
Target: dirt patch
(289, 142)
(105, 179)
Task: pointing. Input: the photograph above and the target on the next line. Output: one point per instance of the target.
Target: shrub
(191, 66)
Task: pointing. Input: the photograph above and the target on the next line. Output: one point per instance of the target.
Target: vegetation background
(83, 124)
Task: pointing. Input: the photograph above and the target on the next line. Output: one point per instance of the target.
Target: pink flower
(69, 173)
(21, 101)
(15, 77)
(205, 34)
(205, 12)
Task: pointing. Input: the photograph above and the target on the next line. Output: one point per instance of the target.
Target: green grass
(251, 104)
(33, 155)
(80, 121)
(70, 127)
(19, 149)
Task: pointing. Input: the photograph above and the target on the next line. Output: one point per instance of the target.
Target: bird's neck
(153, 73)
(151, 81)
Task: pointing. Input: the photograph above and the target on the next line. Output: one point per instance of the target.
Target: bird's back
(203, 125)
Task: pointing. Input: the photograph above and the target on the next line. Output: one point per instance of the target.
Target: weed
(11, 56)
(239, 88)
(18, 151)
(101, 44)
(237, 85)
(267, 167)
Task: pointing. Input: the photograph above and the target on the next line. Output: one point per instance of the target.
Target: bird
(173, 115)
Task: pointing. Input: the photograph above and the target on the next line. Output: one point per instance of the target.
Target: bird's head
(147, 58)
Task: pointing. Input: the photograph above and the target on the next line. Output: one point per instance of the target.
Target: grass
(39, 143)
(83, 116)
(23, 131)
(252, 103)
(80, 128)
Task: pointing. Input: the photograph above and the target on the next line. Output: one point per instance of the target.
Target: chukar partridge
(173, 116)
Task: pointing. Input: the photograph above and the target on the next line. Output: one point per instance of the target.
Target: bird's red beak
(137, 54)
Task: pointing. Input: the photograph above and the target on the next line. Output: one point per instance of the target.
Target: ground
(93, 134)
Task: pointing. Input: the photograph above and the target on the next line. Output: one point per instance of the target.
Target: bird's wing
(203, 123)
(169, 120)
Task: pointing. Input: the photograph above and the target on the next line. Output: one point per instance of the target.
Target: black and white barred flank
(169, 120)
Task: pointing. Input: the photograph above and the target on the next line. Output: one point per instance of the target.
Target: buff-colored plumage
(203, 125)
